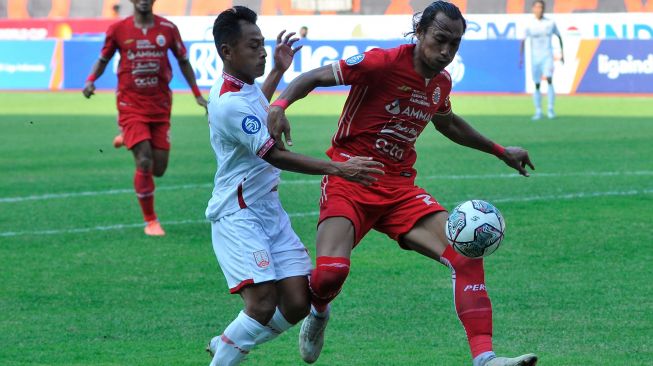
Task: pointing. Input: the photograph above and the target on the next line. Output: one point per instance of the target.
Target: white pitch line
(568, 196)
(49, 196)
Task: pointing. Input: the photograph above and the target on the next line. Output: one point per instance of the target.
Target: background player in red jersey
(144, 98)
(395, 94)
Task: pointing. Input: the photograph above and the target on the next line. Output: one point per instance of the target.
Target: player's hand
(89, 89)
(360, 169)
(278, 125)
(517, 158)
(283, 52)
(202, 103)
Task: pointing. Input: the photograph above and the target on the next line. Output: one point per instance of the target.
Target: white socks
(483, 358)
(537, 101)
(243, 334)
(551, 94)
(237, 340)
(277, 325)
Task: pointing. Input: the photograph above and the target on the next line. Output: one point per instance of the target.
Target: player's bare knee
(262, 310)
(158, 171)
(537, 86)
(295, 308)
(144, 162)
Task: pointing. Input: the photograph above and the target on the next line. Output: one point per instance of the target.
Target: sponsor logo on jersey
(129, 41)
(144, 44)
(146, 82)
(161, 40)
(436, 95)
(475, 287)
(401, 130)
(262, 259)
(393, 108)
(417, 114)
(144, 54)
(405, 88)
(251, 125)
(389, 148)
(419, 97)
(356, 59)
(147, 67)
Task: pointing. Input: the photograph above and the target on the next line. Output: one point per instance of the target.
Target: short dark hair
(541, 2)
(226, 28)
(423, 19)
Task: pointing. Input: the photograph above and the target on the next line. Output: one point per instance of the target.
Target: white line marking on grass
(568, 196)
(49, 196)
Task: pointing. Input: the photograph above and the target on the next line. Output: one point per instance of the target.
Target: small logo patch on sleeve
(357, 59)
(251, 125)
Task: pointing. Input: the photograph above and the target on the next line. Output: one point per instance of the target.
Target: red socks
(471, 299)
(144, 187)
(327, 279)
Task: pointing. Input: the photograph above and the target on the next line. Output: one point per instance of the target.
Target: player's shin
(471, 300)
(277, 325)
(327, 279)
(144, 187)
(237, 340)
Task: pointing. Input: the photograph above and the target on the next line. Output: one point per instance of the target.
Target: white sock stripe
(48, 196)
(568, 196)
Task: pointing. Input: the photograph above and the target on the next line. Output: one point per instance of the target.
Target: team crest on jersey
(261, 258)
(251, 125)
(436, 95)
(161, 40)
(357, 59)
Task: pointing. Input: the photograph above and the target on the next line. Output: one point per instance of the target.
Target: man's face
(538, 10)
(439, 43)
(143, 6)
(247, 55)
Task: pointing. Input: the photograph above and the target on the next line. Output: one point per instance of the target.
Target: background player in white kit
(539, 31)
(262, 258)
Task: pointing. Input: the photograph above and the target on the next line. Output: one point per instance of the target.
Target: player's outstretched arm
(456, 129)
(299, 88)
(189, 74)
(283, 55)
(357, 169)
(96, 71)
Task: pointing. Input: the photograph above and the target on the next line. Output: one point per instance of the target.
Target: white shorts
(541, 67)
(257, 244)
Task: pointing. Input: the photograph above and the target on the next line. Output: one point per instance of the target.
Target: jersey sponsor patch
(251, 125)
(436, 95)
(353, 60)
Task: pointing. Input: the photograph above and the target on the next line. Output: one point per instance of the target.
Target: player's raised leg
(144, 186)
(335, 240)
(471, 299)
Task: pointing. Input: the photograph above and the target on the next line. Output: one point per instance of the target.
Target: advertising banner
(28, 65)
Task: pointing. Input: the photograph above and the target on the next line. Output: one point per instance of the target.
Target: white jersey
(240, 138)
(540, 31)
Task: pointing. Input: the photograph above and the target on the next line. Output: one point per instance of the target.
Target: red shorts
(392, 210)
(137, 128)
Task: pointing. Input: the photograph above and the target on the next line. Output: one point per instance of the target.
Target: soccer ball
(475, 228)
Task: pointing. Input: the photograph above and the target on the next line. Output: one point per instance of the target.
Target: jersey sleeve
(238, 122)
(555, 30)
(178, 48)
(363, 68)
(110, 44)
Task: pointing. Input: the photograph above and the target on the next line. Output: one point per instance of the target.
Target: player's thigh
(547, 68)
(536, 71)
(243, 250)
(427, 236)
(335, 237)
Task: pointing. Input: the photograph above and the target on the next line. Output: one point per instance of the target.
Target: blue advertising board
(620, 66)
(26, 65)
(479, 67)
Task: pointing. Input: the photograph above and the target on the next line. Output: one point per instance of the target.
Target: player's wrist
(498, 150)
(196, 91)
(281, 103)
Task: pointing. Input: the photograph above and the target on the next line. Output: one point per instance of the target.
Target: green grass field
(81, 285)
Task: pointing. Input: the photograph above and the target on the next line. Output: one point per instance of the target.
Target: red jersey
(144, 70)
(387, 108)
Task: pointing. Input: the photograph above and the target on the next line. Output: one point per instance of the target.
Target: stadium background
(81, 285)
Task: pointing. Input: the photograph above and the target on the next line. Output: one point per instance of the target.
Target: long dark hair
(423, 19)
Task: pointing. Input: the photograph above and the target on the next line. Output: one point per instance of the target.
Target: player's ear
(226, 51)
